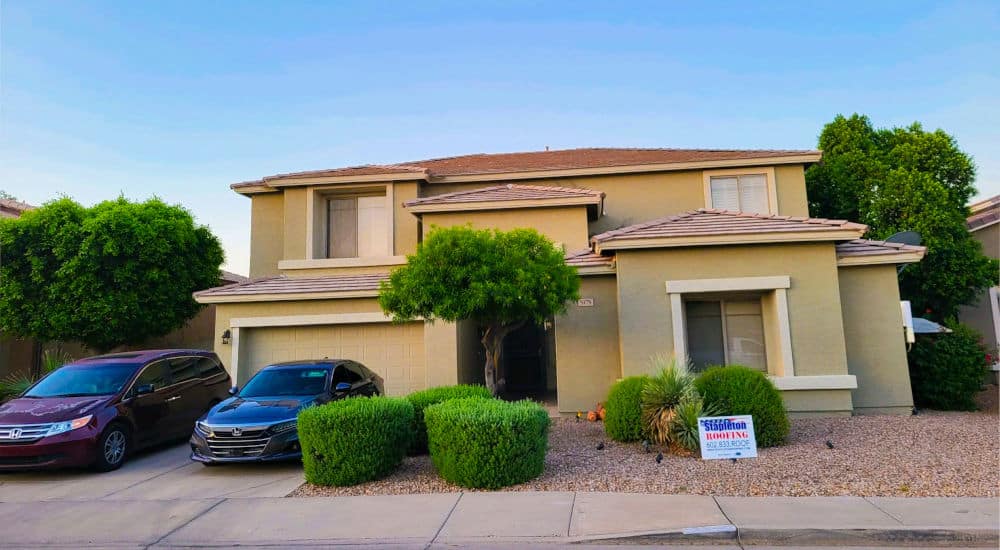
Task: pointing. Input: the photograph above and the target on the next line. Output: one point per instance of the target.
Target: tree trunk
(493, 344)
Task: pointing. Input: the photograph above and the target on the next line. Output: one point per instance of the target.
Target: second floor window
(743, 193)
(357, 226)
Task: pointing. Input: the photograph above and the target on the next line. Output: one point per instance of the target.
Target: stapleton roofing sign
(727, 437)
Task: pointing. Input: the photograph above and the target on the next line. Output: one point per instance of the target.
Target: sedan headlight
(283, 427)
(205, 429)
(69, 425)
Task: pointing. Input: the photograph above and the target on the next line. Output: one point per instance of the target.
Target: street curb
(930, 536)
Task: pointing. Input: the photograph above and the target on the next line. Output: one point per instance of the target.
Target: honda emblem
(237, 432)
(15, 433)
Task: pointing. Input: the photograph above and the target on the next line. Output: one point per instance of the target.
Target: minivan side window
(154, 374)
(209, 367)
(343, 374)
(183, 369)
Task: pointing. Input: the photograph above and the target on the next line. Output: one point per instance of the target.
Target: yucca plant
(15, 384)
(684, 428)
(661, 396)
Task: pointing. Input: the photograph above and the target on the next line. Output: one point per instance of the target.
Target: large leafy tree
(499, 279)
(906, 179)
(116, 273)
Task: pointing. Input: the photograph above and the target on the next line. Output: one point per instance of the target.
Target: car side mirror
(144, 389)
(341, 387)
(234, 390)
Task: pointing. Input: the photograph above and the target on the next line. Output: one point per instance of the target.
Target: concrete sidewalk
(514, 518)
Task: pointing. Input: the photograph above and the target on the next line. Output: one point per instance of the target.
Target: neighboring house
(706, 254)
(10, 208)
(984, 316)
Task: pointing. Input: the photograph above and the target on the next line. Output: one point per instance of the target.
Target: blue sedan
(258, 423)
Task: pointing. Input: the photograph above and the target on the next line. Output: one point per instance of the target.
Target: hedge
(946, 370)
(623, 409)
(431, 396)
(487, 443)
(354, 440)
(736, 389)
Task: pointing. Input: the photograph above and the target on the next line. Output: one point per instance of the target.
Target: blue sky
(179, 99)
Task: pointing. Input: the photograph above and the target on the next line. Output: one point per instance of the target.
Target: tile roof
(283, 284)
(708, 222)
(865, 247)
(565, 159)
(10, 208)
(984, 213)
(587, 258)
(231, 277)
(509, 192)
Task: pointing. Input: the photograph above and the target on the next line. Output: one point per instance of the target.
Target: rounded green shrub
(947, 370)
(354, 440)
(487, 443)
(623, 409)
(736, 389)
(431, 396)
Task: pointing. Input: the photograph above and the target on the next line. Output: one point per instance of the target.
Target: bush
(432, 396)
(623, 409)
(736, 389)
(947, 370)
(684, 425)
(487, 443)
(661, 395)
(354, 440)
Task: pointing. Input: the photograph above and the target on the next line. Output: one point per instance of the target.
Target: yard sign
(727, 437)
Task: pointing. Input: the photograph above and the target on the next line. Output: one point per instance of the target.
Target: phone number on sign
(727, 444)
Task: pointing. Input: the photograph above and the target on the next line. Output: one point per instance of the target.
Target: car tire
(112, 448)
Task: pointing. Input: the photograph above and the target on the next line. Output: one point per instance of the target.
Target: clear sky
(180, 99)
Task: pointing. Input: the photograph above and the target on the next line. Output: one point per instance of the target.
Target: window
(741, 193)
(343, 374)
(154, 374)
(208, 367)
(183, 369)
(357, 226)
(725, 332)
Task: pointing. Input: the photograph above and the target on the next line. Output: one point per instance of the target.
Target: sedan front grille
(223, 444)
(27, 433)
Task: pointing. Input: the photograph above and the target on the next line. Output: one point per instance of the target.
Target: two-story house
(706, 254)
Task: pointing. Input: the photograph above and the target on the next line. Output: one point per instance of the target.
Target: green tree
(500, 279)
(117, 273)
(906, 179)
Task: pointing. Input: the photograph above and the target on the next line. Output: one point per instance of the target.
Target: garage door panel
(395, 352)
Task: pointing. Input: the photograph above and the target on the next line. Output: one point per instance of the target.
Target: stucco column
(441, 353)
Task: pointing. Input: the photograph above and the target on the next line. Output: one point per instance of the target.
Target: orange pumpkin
(592, 416)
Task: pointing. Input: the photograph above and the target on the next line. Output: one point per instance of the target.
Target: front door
(523, 360)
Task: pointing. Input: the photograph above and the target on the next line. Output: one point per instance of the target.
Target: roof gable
(720, 227)
(504, 197)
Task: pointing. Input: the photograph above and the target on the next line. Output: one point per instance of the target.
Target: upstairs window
(357, 226)
(740, 193)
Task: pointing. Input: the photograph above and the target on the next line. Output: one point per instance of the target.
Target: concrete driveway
(163, 473)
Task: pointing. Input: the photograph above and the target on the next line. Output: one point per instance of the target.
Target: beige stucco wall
(636, 198)
(587, 351)
(566, 225)
(814, 305)
(267, 240)
(979, 316)
(876, 349)
(405, 224)
(805, 403)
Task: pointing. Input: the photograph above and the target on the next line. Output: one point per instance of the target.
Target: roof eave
(776, 237)
(503, 204)
(893, 258)
(283, 297)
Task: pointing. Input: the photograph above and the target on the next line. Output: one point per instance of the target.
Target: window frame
(766, 171)
(317, 226)
(724, 315)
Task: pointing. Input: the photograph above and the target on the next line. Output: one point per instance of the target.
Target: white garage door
(395, 352)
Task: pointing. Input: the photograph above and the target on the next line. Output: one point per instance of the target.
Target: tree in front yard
(499, 279)
(116, 273)
(906, 179)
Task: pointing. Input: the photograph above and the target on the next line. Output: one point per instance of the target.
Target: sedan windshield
(78, 381)
(286, 382)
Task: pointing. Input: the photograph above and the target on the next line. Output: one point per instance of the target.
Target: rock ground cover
(931, 454)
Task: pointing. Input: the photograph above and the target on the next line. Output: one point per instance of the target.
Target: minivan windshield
(84, 380)
(275, 382)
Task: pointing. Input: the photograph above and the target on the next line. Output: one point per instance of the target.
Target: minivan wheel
(112, 447)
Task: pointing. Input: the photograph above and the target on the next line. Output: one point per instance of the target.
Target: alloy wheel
(114, 447)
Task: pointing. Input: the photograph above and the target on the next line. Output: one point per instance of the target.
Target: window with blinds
(725, 332)
(357, 226)
(743, 193)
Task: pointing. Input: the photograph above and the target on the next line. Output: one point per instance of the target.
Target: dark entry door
(524, 360)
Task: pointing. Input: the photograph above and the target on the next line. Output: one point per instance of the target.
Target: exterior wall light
(227, 336)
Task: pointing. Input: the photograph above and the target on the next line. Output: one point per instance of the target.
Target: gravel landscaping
(931, 454)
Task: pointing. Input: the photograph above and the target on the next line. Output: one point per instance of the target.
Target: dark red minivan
(96, 411)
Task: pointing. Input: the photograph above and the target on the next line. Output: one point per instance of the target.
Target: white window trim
(767, 172)
(311, 213)
(779, 285)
